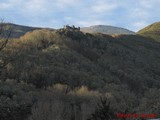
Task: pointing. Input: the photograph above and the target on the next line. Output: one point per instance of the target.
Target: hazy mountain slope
(18, 30)
(152, 31)
(106, 30)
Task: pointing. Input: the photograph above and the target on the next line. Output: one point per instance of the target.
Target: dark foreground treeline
(61, 75)
(20, 101)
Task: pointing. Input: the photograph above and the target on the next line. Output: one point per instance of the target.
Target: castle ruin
(67, 27)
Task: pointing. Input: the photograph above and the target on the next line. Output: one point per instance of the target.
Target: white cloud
(136, 13)
(68, 18)
(149, 3)
(84, 23)
(4, 6)
(139, 25)
(103, 6)
(139, 13)
(35, 5)
(9, 4)
(66, 3)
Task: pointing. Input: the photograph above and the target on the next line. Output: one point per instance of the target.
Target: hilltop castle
(67, 27)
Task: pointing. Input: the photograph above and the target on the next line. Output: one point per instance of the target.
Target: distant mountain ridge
(18, 30)
(151, 31)
(106, 29)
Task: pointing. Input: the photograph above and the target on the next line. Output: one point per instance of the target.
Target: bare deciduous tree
(5, 33)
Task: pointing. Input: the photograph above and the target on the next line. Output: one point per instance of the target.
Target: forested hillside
(60, 75)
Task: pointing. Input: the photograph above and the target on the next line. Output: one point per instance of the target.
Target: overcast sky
(130, 14)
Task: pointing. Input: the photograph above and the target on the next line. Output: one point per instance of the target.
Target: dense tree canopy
(67, 70)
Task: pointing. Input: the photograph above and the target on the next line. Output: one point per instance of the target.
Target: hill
(61, 74)
(106, 30)
(17, 30)
(95, 59)
(152, 31)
